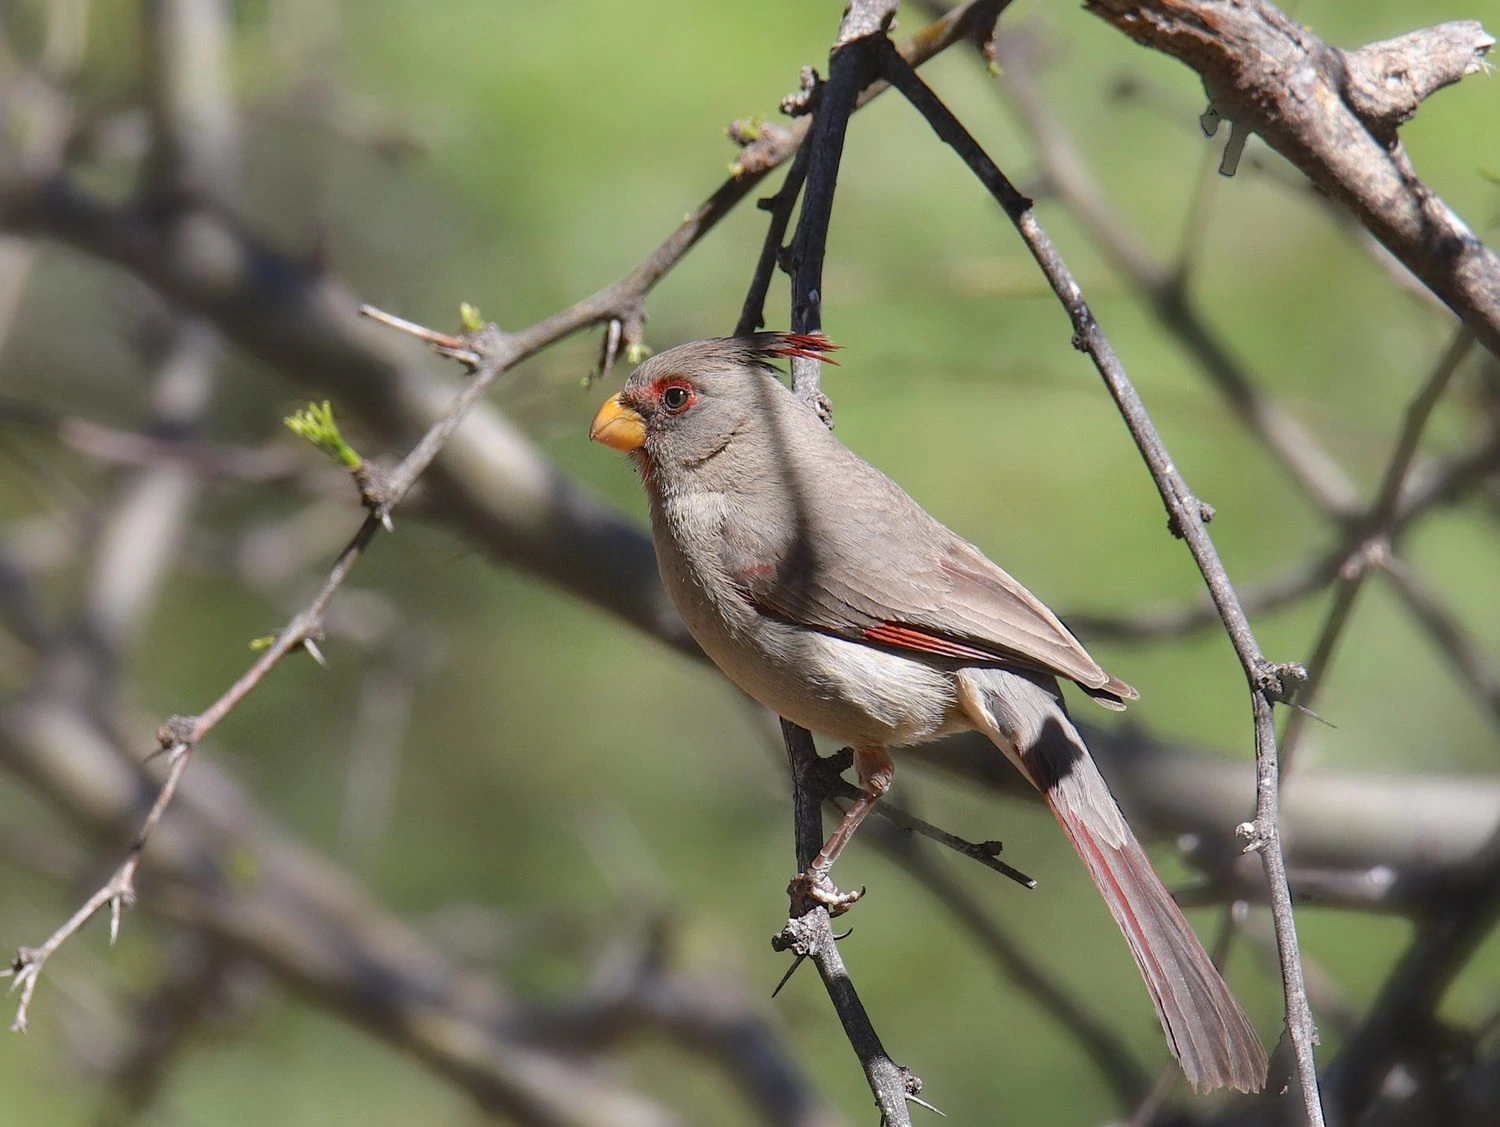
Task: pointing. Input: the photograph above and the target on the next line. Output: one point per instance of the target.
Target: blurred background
(541, 790)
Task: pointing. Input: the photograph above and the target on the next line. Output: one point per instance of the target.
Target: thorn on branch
(467, 349)
(124, 898)
(912, 1085)
(308, 643)
(791, 970)
(987, 39)
(622, 337)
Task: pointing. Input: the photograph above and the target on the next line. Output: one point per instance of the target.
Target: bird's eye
(676, 398)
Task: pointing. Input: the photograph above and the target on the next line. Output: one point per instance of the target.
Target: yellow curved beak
(618, 427)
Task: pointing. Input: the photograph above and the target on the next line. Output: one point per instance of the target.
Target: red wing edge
(904, 637)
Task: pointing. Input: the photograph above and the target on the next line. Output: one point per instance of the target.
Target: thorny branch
(302, 321)
(1333, 115)
(1374, 532)
(487, 353)
(1291, 443)
(1187, 518)
(1402, 71)
(808, 933)
(114, 234)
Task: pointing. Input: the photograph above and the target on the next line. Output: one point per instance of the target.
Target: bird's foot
(815, 887)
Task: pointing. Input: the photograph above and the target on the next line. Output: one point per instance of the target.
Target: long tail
(1209, 1034)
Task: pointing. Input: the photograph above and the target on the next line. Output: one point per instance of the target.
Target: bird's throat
(643, 467)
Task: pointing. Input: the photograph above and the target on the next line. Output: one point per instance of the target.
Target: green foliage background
(563, 141)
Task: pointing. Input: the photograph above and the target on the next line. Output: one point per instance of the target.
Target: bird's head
(684, 407)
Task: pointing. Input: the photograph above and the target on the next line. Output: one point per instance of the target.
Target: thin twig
(1374, 536)
(1267, 682)
(1114, 1060)
(987, 853)
(1403, 1017)
(1447, 630)
(1427, 488)
(781, 205)
(1334, 115)
(1164, 289)
(492, 353)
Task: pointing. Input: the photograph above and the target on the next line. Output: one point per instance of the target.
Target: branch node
(799, 936)
(1279, 681)
(824, 407)
(805, 99)
(912, 1085)
(827, 776)
(1371, 554)
(178, 731)
(374, 491)
(764, 153)
(1385, 83)
(746, 130)
(1206, 513)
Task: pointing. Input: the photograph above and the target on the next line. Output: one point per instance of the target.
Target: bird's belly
(850, 692)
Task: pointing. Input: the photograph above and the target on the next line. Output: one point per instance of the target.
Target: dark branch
(1332, 114)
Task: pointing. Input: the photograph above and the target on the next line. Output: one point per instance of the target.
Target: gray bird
(824, 591)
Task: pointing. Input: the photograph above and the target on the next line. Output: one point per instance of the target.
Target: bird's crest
(809, 346)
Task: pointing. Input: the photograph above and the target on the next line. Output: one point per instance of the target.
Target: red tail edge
(1209, 1034)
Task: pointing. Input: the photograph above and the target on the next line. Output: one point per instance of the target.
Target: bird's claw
(817, 888)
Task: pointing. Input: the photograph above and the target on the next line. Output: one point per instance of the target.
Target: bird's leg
(875, 772)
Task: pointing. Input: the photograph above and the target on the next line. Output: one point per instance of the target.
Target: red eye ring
(677, 398)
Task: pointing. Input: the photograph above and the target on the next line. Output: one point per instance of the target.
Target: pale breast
(851, 692)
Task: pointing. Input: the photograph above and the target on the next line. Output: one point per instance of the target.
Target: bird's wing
(880, 570)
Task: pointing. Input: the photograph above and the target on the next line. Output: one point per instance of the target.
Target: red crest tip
(809, 346)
